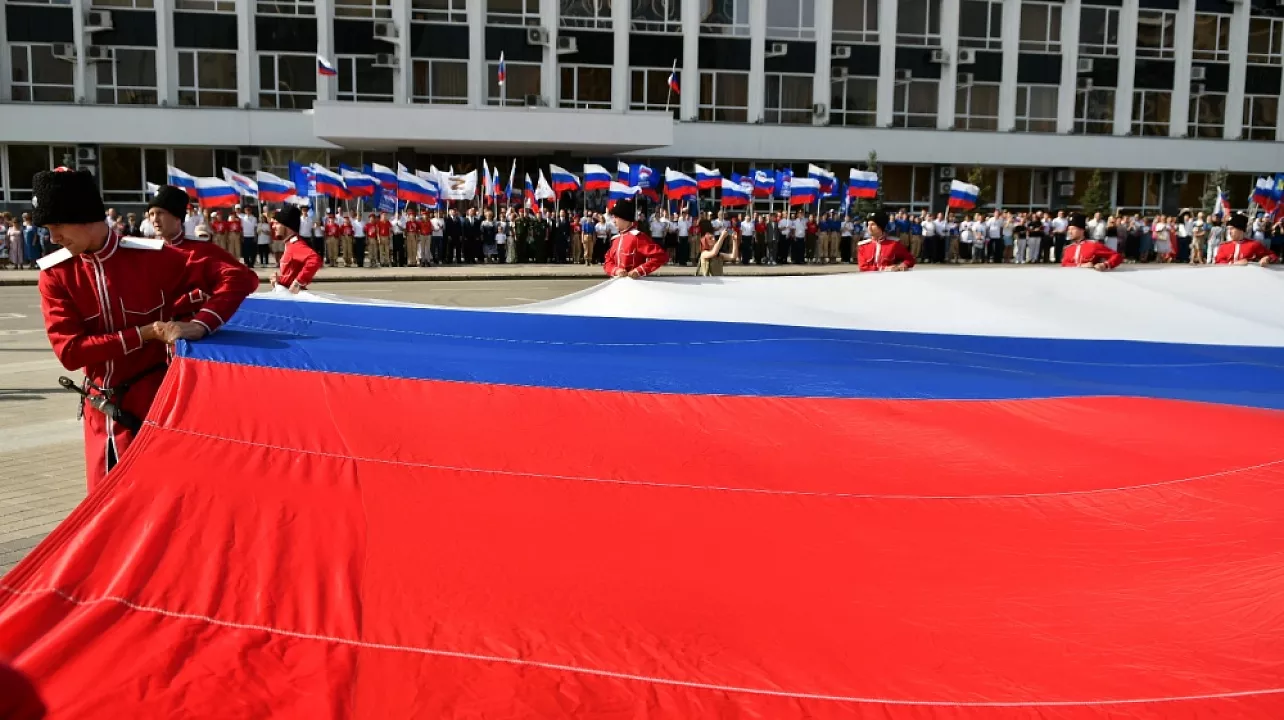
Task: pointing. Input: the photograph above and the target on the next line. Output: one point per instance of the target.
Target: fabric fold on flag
(180, 179)
(273, 189)
(215, 192)
(596, 177)
(963, 195)
(678, 185)
(862, 184)
(563, 181)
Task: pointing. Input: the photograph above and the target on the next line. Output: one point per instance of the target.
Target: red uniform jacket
(331, 228)
(347, 229)
(298, 262)
(233, 226)
(385, 228)
(1089, 251)
(94, 305)
(412, 227)
(1250, 250)
(230, 269)
(635, 250)
(878, 254)
(218, 227)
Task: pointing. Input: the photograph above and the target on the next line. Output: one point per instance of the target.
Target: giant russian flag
(180, 179)
(273, 189)
(946, 514)
(213, 193)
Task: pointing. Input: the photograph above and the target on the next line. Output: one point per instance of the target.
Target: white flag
(543, 191)
(460, 187)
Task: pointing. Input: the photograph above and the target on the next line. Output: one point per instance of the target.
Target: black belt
(107, 400)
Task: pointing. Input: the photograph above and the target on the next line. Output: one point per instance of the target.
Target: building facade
(1156, 94)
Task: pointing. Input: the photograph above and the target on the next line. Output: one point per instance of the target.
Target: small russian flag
(673, 82)
(325, 67)
(962, 195)
(503, 70)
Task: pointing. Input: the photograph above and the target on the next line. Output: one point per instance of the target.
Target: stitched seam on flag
(715, 488)
(746, 341)
(614, 674)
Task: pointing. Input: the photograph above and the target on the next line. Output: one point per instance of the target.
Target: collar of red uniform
(178, 239)
(106, 251)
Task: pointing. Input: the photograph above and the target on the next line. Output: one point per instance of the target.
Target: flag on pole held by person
(180, 179)
(862, 184)
(563, 181)
(273, 189)
(963, 195)
(214, 193)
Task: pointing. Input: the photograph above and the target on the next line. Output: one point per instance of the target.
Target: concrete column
(247, 57)
(1011, 35)
(1183, 47)
(4, 155)
(82, 82)
(1234, 125)
(166, 54)
(947, 88)
(689, 100)
(757, 59)
(6, 74)
(403, 77)
(327, 87)
(886, 63)
(621, 83)
(1127, 67)
(549, 16)
(1279, 119)
(821, 89)
(1068, 92)
(477, 74)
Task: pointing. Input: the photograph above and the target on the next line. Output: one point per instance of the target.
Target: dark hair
(706, 226)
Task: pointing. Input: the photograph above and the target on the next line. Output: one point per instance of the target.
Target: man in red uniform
(1238, 251)
(633, 253)
(299, 262)
(1086, 253)
(880, 251)
(108, 304)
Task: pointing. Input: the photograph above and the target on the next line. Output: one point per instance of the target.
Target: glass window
(586, 87)
(649, 90)
(216, 6)
(379, 9)
(1040, 27)
(1150, 112)
(206, 78)
(287, 82)
(981, 24)
(40, 77)
(976, 106)
(513, 12)
(195, 161)
(140, 4)
(791, 19)
(1260, 113)
(1026, 189)
(1212, 37)
(591, 14)
(129, 78)
(788, 99)
(440, 82)
(1265, 37)
(918, 22)
(915, 104)
(125, 172)
(361, 81)
(724, 17)
(439, 11)
(27, 160)
(1155, 33)
(277, 160)
(856, 21)
(657, 16)
(907, 187)
(1036, 108)
(853, 102)
(724, 96)
(1099, 31)
(1094, 112)
(286, 7)
(1137, 191)
(1207, 115)
(521, 88)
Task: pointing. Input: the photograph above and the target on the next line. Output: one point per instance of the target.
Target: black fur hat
(291, 217)
(66, 197)
(172, 200)
(626, 209)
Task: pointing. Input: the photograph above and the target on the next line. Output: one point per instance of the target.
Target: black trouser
(249, 248)
(684, 250)
(746, 249)
(472, 249)
(671, 245)
(1058, 246)
(265, 253)
(995, 250)
(561, 249)
(798, 255)
(845, 248)
(398, 250)
(359, 251)
(438, 246)
(454, 249)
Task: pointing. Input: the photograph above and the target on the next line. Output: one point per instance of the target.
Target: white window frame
(123, 4)
(1051, 42)
(670, 25)
(304, 8)
(738, 27)
(42, 3)
(1193, 123)
(1274, 54)
(599, 19)
(920, 178)
(868, 32)
(1024, 121)
(1081, 119)
(1150, 182)
(114, 86)
(901, 115)
(218, 7)
(1039, 189)
(17, 191)
(780, 113)
(649, 103)
(839, 114)
(529, 14)
(801, 30)
(347, 65)
(432, 98)
(993, 39)
(575, 102)
(492, 70)
(1168, 20)
(363, 9)
(1149, 128)
(1110, 46)
(1221, 40)
(277, 93)
(712, 107)
(426, 11)
(196, 88)
(30, 84)
(926, 37)
(1258, 132)
(964, 118)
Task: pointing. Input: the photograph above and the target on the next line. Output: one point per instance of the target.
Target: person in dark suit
(472, 237)
(454, 237)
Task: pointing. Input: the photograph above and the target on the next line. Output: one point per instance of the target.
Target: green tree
(864, 206)
(976, 176)
(1096, 197)
(1216, 180)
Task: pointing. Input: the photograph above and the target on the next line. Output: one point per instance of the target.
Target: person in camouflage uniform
(521, 231)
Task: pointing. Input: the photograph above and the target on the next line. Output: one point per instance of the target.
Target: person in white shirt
(845, 230)
(993, 239)
(190, 222)
(147, 228)
(798, 247)
(437, 247)
(359, 238)
(657, 228)
(305, 227)
(687, 250)
(1059, 225)
(746, 239)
